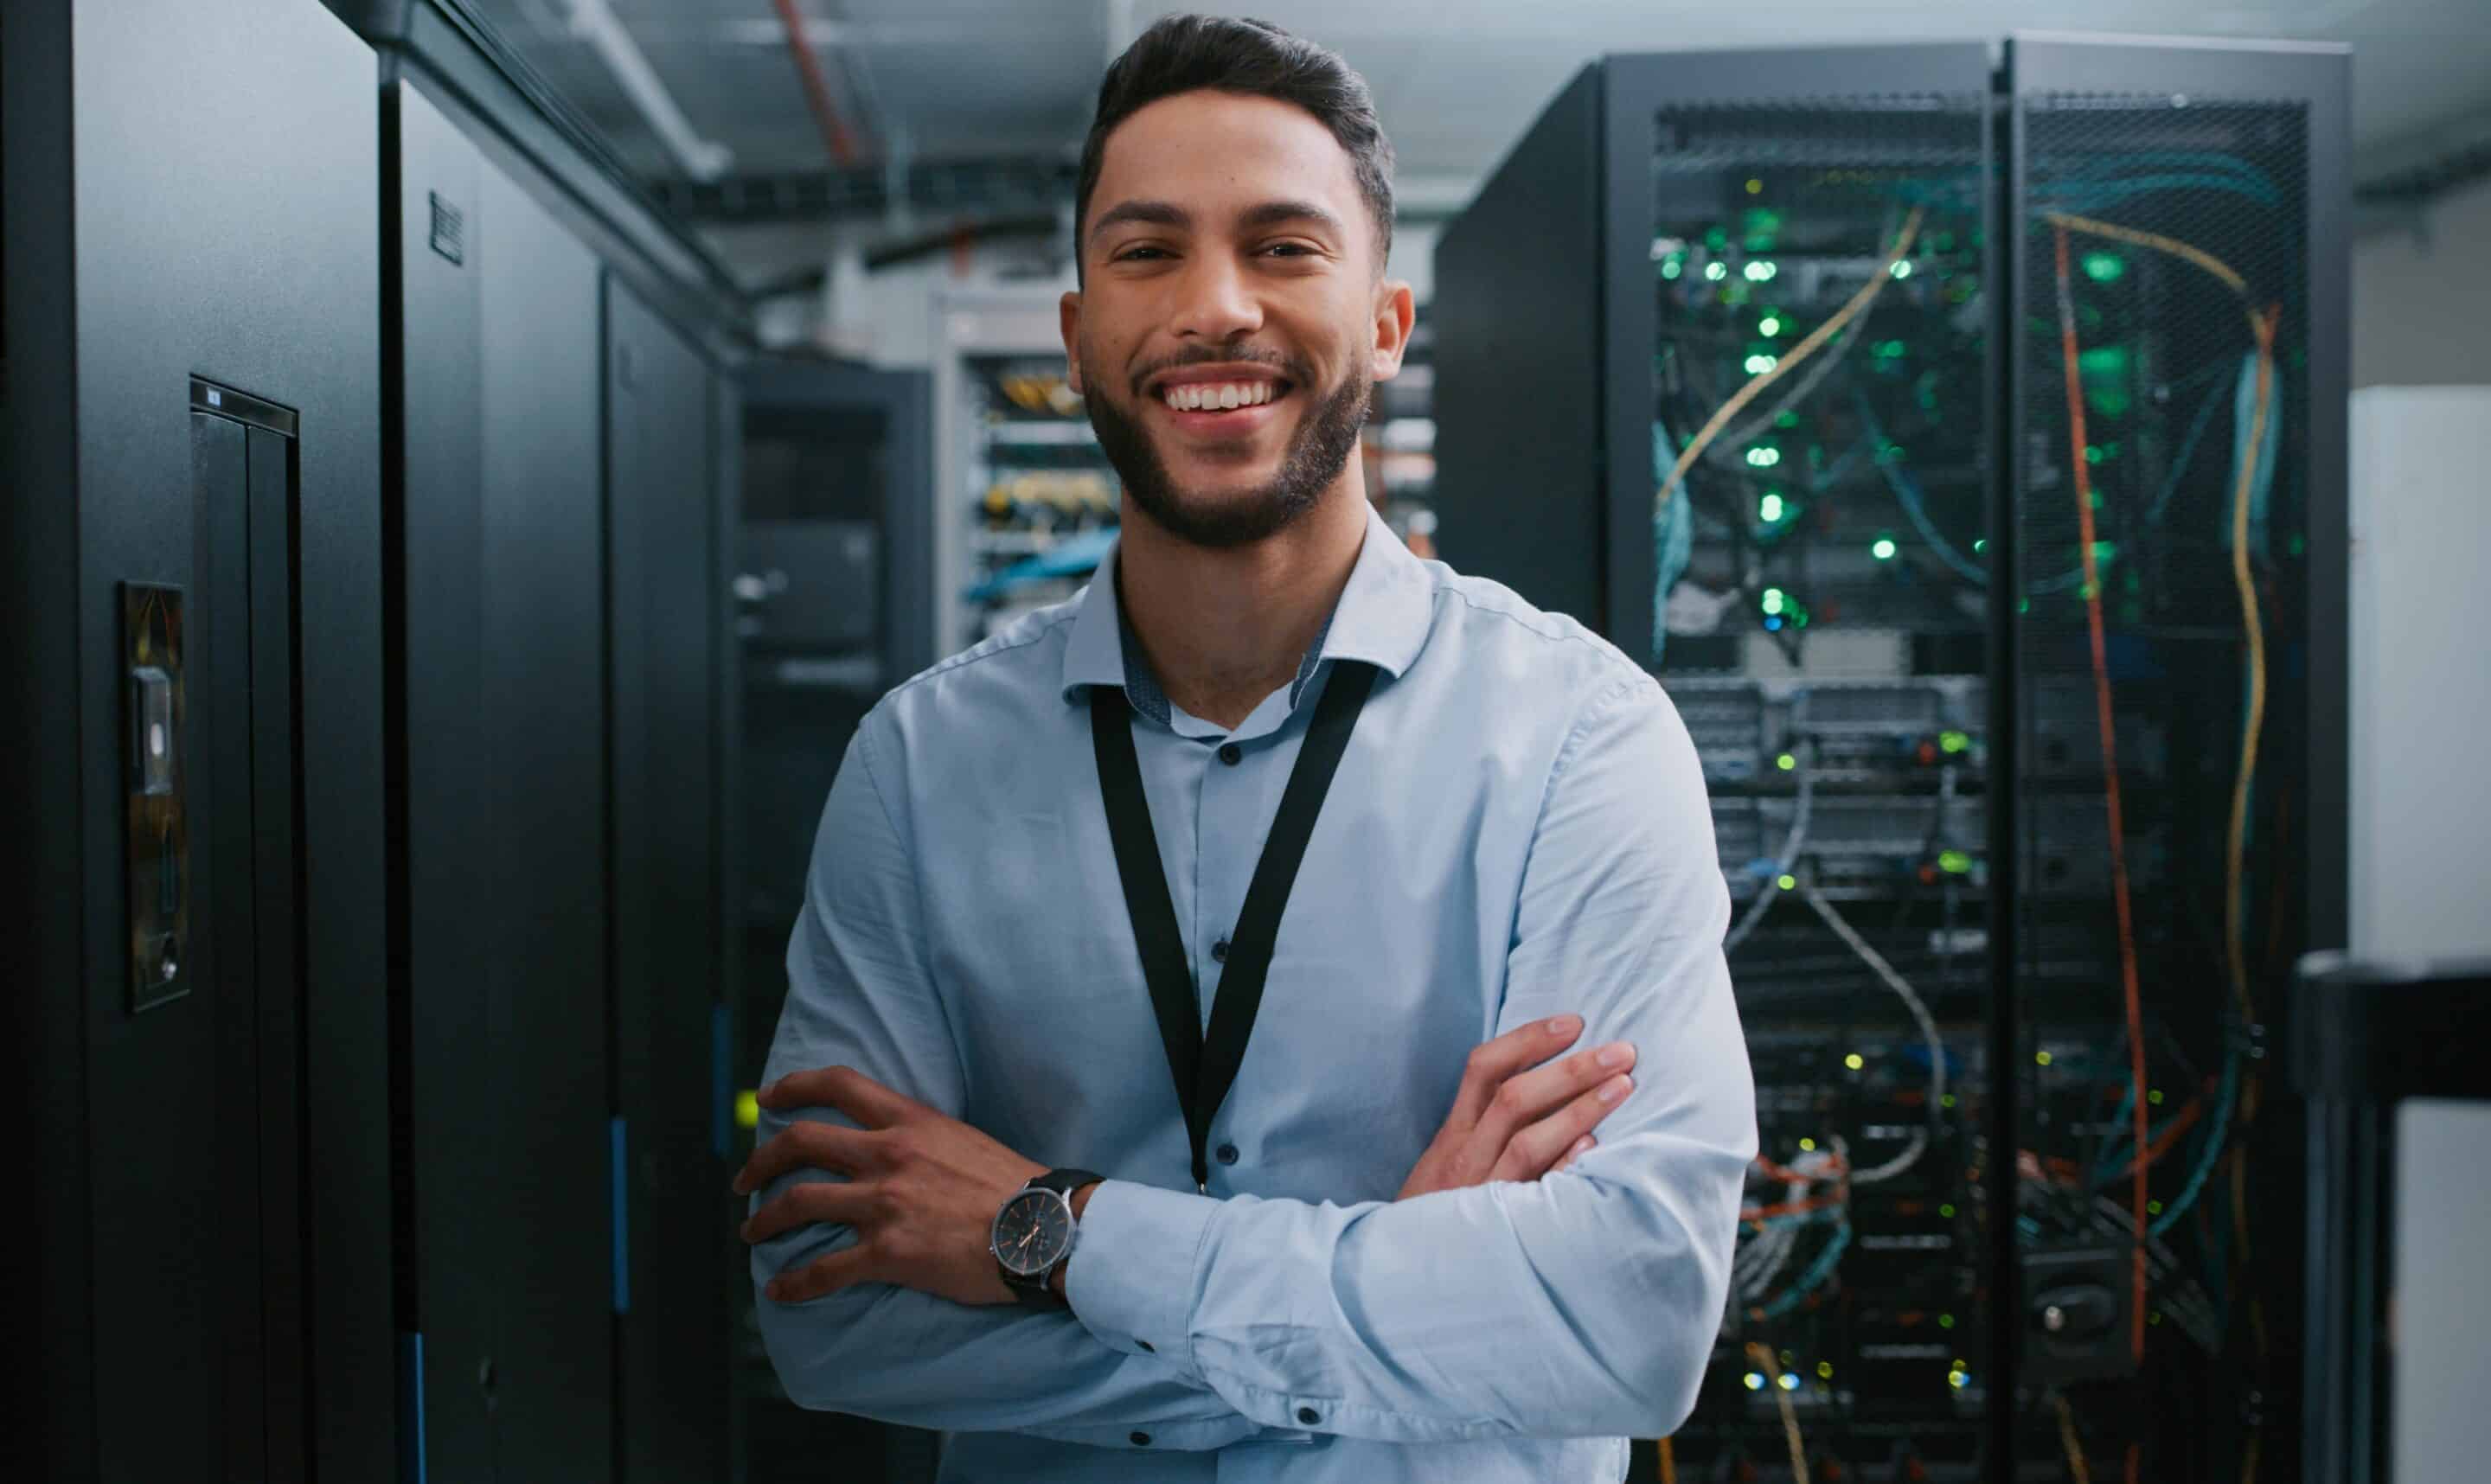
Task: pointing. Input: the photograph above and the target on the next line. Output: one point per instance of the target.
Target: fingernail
(1565, 1025)
(1580, 1145)
(1615, 1088)
(1616, 1054)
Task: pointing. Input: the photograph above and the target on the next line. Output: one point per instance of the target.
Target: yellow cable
(2262, 330)
(1668, 1464)
(2161, 243)
(2068, 1439)
(1858, 305)
(1790, 1415)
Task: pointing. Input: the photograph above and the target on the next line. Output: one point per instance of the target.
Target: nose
(1216, 303)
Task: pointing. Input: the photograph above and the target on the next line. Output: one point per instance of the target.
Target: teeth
(1217, 396)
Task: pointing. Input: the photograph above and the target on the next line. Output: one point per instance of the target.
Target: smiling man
(1207, 990)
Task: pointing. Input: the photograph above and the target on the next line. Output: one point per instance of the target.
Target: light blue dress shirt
(1517, 831)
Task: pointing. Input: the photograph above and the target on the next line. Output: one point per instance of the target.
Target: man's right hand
(1516, 1119)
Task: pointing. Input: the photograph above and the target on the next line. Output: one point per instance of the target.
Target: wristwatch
(1034, 1234)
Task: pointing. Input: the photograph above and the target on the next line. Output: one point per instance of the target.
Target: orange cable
(2110, 774)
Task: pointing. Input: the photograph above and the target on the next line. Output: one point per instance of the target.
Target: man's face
(1231, 322)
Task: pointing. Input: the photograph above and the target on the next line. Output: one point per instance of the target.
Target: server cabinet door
(501, 530)
(677, 1221)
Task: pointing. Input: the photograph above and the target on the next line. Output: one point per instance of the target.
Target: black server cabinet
(193, 665)
(498, 611)
(834, 549)
(1958, 431)
(672, 1013)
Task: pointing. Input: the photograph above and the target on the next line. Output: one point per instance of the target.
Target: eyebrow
(1168, 214)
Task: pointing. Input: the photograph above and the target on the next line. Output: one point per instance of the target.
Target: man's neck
(1223, 630)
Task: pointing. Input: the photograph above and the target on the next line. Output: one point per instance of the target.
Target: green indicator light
(1902, 268)
(2154, 1207)
(1786, 761)
(1981, 543)
(2093, 454)
(1761, 271)
(2298, 546)
(1953, 863)
(2104, 267)
(1764, 458)
(1807, 1144)
(1884, 549)
(1769, 326)
(1789, 419)
(1773, 599)
(1756, 187)
(1947, 1101)
(1947, 1322)
(1673, 268)
(1825, 1369)
(1759, 365)
(1770, 508)
(1855, 1062)
(747, 1109)
(1954, 741)
(2103, 551)
(1755, 1381)
(1791, 884)
(1717, 237)
(2024, 605)
(2155, 1097)
(1954, 1379)
(1947, 1210)
(1717, 270)
(2042, 1058)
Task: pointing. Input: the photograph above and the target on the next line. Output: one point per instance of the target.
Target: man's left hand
(922, 1191)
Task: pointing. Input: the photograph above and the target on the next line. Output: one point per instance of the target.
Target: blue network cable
(1816, 1275)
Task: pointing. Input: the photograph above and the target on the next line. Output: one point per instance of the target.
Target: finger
(823, 1274)
(805, 1145)
(846, 1202)
(1539, 1145)
(1529, 1096)
(1581, 1146)
(844, 1088)
(1495, 1060)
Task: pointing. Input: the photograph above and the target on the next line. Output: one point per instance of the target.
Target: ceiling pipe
(817, 90)
(594, 22)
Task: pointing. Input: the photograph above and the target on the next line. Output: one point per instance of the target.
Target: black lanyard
(1204, 1068)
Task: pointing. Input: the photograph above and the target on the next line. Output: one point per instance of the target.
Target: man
(1213, 881)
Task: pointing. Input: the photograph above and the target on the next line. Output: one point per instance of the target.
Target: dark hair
(1189, 53)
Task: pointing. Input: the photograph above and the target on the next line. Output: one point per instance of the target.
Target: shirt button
(1308, 1416)
(1219, 952)
(1231, 754)
(1141, 1439)
(1227, 1154)
(1148, 1346)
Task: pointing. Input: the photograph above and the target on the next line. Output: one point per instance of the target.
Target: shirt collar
(1381, 619)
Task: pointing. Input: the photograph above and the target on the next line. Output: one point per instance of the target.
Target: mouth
(1220, 406)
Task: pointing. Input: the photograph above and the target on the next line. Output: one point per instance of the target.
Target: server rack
(193, 700)
(833, 549)
(1770, 367)
(560, 421)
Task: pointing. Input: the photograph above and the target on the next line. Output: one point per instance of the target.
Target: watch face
(1033, 1232)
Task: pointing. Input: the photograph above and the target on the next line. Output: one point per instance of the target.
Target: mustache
(1293, 370)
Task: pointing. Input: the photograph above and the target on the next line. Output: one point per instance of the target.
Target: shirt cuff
(1130, 1277)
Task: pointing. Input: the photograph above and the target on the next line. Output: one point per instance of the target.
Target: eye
(1292, 250)
(1137, 254)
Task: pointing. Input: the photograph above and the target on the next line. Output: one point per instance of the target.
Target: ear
(1069, 309)
(1395, 311)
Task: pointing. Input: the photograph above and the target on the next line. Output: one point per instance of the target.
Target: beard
(1318, 451)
